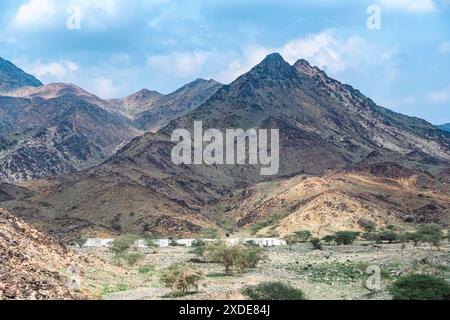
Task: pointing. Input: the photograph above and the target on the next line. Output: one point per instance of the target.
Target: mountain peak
(273, 67)
(305, 67)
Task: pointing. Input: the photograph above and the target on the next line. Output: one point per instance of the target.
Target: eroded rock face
(31, 263)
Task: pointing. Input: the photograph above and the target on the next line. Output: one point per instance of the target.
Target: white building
(164, 243)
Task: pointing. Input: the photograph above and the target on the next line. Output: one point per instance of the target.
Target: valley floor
(336, 273)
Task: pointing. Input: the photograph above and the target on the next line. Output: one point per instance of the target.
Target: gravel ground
(336, 273)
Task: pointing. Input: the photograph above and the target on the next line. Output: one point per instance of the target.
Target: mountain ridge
(325, 127)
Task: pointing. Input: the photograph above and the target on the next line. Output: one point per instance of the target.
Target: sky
(396, 52)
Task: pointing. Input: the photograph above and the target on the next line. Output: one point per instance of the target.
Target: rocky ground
(35, 266)
(337, 272)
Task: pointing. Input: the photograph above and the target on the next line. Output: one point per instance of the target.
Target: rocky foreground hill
(31, 263)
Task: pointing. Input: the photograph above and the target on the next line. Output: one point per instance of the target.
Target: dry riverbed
(337, 272)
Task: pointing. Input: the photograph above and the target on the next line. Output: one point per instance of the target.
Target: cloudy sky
(116, 47)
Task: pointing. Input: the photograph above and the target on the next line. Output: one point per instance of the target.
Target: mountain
(325, 127)
(55, 90)
(136, 103)
(153, 111)
(11, 77)
(40, 137)
(445, 127)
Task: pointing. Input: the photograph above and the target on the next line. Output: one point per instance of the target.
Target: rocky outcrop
(32, 264)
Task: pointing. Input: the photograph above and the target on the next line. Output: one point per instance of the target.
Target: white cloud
(416, 6)
(324, 50)
(440, 96)
(56, 70)
(35, 13)
(184, 64)
(444, 48)
(38, 14)
(104, 88)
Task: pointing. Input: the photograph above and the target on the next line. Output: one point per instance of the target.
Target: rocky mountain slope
(152, 110)
(41, 137)
(31, 263)
(325, 127)
(11, 77)
(445, 127)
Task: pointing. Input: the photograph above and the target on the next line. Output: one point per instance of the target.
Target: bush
(123, 243)
(420, 287)
(116, 227)
(316, 243)
(211, 233)
(234, 257)
(297, 237)
(367, 224)
(328, 239)
(79, 241)
(430, 233)
(303, 236)
(146, 269)
(248, 258)
(427, 233)
(389, 236)
(151, 244)
(181, 278)
(198, 248)
(128, 258)
(273, 291)
(345, 237)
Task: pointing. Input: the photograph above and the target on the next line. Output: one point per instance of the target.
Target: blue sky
(125, 45)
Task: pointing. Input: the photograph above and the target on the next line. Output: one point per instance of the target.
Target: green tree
(345, 237)
(316, 243)
(273, 291)
(236, 257)
(303, 236)
(181, 278)
(420, 287)
(123, 243)
(328, 239)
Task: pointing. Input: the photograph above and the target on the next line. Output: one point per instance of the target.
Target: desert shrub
(388, 235)
(291, 240)
(367, 224)
(328, 239)
(345, 237)
(427, 233)
(430, 233)
(316, 243)
(234, 257)
(303, 236)
(273, 291)
(146, 269)
(181, 278)
(123, 243)
(116, 227)
(150, 242)
(420, 287)
(211, 233)
(370, 236)
(128, 258)
(79, 241)
(248, 258)
(198, 248)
